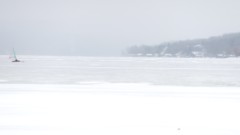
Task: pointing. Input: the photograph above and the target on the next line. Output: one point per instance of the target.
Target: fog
(105, 28)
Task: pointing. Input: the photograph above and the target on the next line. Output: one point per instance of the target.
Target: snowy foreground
(52, 97)
(119, 109)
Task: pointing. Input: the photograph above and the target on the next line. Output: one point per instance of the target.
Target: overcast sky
(105, 27)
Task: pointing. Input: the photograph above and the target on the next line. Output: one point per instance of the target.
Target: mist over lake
(126, 67)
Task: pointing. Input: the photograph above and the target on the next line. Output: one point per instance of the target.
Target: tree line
(227, 45)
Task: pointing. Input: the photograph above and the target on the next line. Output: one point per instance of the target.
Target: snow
(108, 108)
(160, 71)
(46, 97)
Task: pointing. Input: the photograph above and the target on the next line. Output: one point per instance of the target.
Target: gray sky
(106, 27)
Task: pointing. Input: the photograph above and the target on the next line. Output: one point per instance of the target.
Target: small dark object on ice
(16, 60)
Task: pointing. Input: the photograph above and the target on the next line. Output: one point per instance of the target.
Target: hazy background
(106, 27)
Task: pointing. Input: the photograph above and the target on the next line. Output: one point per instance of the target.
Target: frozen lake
(47, 95)
(160, 71)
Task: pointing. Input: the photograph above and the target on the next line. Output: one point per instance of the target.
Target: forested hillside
(227, 45)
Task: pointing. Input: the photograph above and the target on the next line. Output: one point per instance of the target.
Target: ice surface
(108, 108)
(161, 71)
(119, 96)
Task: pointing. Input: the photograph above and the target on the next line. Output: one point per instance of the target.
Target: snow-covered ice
(160, 71)
(120, 96)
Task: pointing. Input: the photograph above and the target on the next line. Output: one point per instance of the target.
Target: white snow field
(50, 95)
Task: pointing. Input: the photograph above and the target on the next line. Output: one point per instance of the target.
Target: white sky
(108, 26)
